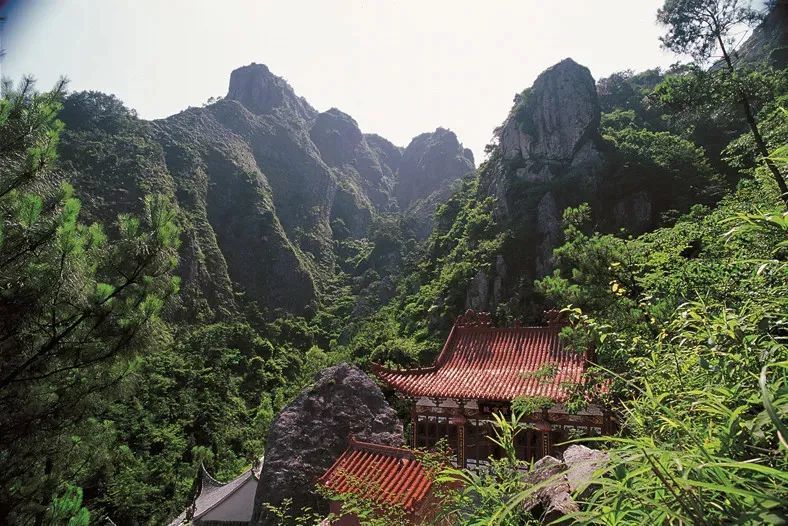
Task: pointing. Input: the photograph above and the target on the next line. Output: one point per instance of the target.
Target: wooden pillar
(460, 422)
(427, 426)
(544, 428)
(607, 423)
(414, 426)
(546, 442)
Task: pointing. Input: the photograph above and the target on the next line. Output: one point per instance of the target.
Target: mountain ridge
(267, 185)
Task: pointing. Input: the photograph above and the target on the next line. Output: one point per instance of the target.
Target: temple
(481, 370)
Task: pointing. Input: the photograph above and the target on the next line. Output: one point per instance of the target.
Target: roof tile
(490, 363)
(381, 474)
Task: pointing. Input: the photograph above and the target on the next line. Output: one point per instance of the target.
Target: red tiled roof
(481, 362)
(381, 474)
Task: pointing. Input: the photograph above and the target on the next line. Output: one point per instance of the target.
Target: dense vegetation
(689, 323)
(115, 384)
(103, 401)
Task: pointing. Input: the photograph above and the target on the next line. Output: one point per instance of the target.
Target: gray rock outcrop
(429, 162)
(262, 92)
(768, 42)
(485, 292)
(551, 133)
(430, 170)
(550, 155)
(560, 479)
(310, 433)
(553, 120)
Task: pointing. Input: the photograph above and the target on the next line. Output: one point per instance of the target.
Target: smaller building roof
(214, 492)
(482, 362)
(381, 474)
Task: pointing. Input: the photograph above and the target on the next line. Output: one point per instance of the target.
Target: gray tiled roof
(213, 492)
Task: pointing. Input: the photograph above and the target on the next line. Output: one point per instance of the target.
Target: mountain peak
(262, 92)
(554, 117)
(429, 163)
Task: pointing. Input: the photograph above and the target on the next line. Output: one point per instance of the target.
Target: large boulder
(559, 480)
(310, 433)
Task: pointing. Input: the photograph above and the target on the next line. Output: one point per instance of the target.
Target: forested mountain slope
(265, 183)
(641, 149)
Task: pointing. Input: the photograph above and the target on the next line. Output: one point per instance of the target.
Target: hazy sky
(399, 67)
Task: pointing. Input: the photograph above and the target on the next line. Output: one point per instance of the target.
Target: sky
(399, 67)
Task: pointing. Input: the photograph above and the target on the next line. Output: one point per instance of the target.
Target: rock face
(262, 92)
(550, 155)
(551, 136)
(768, 43)
(265, 183)
(425, 163)
(553, 120)
(310, 433)
(562, 479)
(486, 292)
(431, 165)
(552, 133)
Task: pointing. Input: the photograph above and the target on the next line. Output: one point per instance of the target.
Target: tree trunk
(759, 142)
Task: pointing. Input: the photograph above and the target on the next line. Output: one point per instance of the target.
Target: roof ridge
(210, 479)
(491, 328)
(378, 368)
(355, 444)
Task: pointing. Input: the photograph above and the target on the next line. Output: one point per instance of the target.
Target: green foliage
(688, 321)
(492, 495)
(522, 109)
(209, 399)
(76, 309)
(626, 95)
(431, 291)
(546, 372)
(687, 342)
(694, 94)
(354, 501)
(284, 515)
(67, 509)
(618, 119)
(464, 243)
(742, 153)
(528, 405)
(699, 27)
(625, 90)
(674, 171)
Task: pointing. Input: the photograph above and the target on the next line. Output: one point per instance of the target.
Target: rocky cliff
(265, 183)
(768, 42)
(550, 155)
(421, 183)
(309, 434)
(551, 136)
